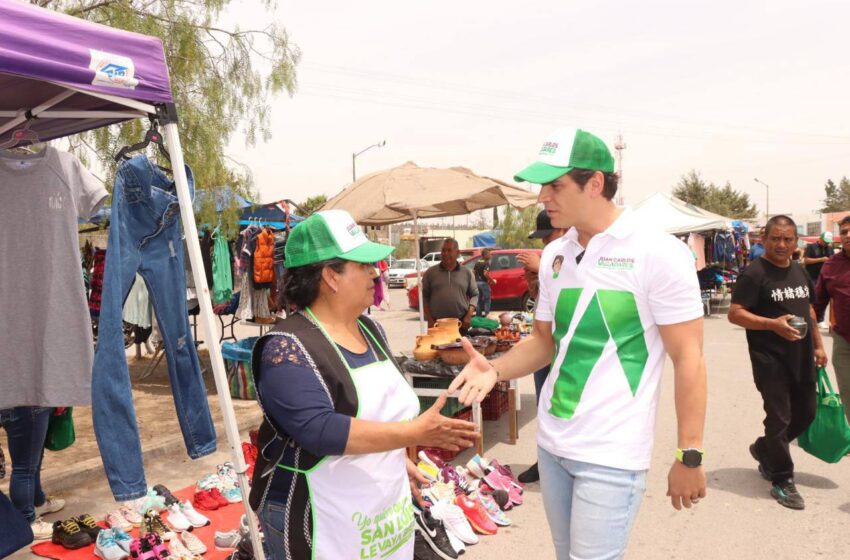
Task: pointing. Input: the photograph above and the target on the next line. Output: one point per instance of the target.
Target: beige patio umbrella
(410, 192)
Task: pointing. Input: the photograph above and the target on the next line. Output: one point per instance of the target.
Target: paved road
(738, 519)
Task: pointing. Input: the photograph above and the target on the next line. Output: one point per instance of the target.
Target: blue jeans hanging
(26, 428)
(145, 237)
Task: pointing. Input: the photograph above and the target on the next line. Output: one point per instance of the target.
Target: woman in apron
(332, 481)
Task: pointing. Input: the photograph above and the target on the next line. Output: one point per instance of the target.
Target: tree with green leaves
(724, 200)
(223, 82)
(515, 227)
(837, 196)
(312, 204)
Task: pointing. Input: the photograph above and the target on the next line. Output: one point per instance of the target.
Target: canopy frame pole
(63, 114)
(423, 327)
(190, 230)
(36, 111)
(147, 108)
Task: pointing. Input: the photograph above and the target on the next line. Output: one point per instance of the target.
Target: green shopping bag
(60, 431)
(828, 437)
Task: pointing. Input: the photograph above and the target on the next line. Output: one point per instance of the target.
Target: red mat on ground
(223, 519)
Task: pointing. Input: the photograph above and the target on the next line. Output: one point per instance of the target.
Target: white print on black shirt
(800, 292)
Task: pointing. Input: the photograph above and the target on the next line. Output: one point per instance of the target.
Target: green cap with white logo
(564, 150)
(331, 234)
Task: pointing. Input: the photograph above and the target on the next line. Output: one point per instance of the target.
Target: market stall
(60, 76)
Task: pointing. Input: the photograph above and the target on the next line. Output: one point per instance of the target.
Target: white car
(402, 268)
(434, 258)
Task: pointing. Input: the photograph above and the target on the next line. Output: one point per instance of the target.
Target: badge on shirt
(556, 266)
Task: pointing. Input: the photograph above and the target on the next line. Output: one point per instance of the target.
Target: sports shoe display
(107, 548)
(51, 505)
(493, 510)
(215, 494)
(41, 529)
(498, 482)
(786, 494)
(123, 539)
(68, 534)
(205, 501)
(115, 519)
(230, 539)
(193, 543)
(155, 544)
(429, 471)
(195, 518)
(166, 494)
(455, 521)
(176, 518)
(151, 501)
(152, 523)
(477, 516)
(456, 543)
(132, 516)
(88, 525)
(421, 549)
(434, 533)
(179, 551)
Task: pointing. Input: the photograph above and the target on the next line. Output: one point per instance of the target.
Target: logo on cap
(549, 148)
(353, 229)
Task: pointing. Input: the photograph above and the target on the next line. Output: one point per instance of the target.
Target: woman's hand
(477, 378)
(417, 479)
(432, 429)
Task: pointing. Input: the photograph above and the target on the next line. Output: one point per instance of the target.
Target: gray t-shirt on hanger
(46, 344)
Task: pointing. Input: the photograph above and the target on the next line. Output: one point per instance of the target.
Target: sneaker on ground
(765, 474)
(131, 515)
(107, 548)
(431, 459)
(232, 495)
(179, 551)
(166, 494)
(41, 529)
(177, 520)
(193, 543)
(227, 472)
(156, 546)
(203, 500)
(506, 471)
(68, 534)
(529, 475)
(456, 543)
(455, 521)
(151, 501)
(152, 523)
(50, 505)
(116, 519)
(493, 510)
(475, 467)
(421, 549)
(195, 518)
(123, 539)
(786, 494)
(478, 518)
(88, 525)
(216, 496)
(230, 539)
(429, 471)
(434, 533)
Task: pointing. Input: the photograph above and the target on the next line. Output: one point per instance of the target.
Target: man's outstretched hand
(476, 379)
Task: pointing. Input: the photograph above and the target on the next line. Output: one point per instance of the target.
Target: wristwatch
(690, 457)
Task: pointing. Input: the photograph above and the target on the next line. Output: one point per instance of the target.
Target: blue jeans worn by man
(145, 237)
(483, 299)
(26, 430)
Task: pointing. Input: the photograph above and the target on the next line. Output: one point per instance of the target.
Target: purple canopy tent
(60, 76)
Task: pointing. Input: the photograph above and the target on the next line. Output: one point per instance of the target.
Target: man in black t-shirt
(484, 281)
(772, 291)
(818, 253)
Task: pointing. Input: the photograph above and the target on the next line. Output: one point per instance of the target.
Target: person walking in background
(833, 288)
(773, 291)
(815, 257)
(483, 280)
(531, 262)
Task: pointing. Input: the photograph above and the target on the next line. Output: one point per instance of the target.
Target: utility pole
(380, 144)
(767, 199)
(619, 146)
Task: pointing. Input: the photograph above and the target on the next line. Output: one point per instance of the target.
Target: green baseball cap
(331, 234)
(564, 150)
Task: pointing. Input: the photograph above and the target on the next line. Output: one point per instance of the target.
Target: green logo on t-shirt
(609, 314)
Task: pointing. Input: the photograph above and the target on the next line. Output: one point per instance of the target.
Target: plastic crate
(496, 403)
(452, 405)
(444, 454)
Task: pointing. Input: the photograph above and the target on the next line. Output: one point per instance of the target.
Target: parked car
(400, 269)
(511, 289)
(434, 258)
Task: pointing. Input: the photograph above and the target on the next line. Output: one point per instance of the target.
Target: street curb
(77, 474)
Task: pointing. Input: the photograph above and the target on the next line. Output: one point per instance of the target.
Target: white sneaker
(131, 515)
(192, 515)
(107, 548)
(41, 529)
(50, 505)
(116, 519)
(455, 521)
(193, 543)
(178, 551)
(176, 518)
(227, 540)
(456, 543)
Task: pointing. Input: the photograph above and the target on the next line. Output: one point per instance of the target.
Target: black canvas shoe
(69, 534)
(434, 533)
(765, 474)
(88, 525)
(529, 475)
(421, 549)
(786, 494)
(166, 493)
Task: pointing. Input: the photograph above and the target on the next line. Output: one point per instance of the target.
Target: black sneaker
(88, 525)
(786, 494)
(421, 549)
(166, 493)
(765, 474)
(531, 474)
(434, 533)
(69, 534)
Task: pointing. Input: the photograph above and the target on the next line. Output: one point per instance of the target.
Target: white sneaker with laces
(116, 519)
(179, 551)
(193, 543)
(41, 529)
(195, 518)
(176, 518)
(227, 540)
(50, 505)
(455, 521)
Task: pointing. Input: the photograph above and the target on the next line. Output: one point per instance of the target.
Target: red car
(511, 289)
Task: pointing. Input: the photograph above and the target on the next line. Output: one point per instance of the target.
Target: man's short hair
(451, 240)
(844, 221)
(779, 220)
(486, 251)
(582, 176)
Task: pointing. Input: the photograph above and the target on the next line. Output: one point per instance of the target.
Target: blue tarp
(485, 239)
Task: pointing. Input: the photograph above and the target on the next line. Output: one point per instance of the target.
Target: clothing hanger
(22, 134)
(151, 136)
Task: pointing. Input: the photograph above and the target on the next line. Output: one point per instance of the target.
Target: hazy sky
(736, 90)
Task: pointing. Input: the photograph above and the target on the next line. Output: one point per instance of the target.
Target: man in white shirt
(624, 296)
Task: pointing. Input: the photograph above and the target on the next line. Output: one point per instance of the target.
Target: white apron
(361, 504)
